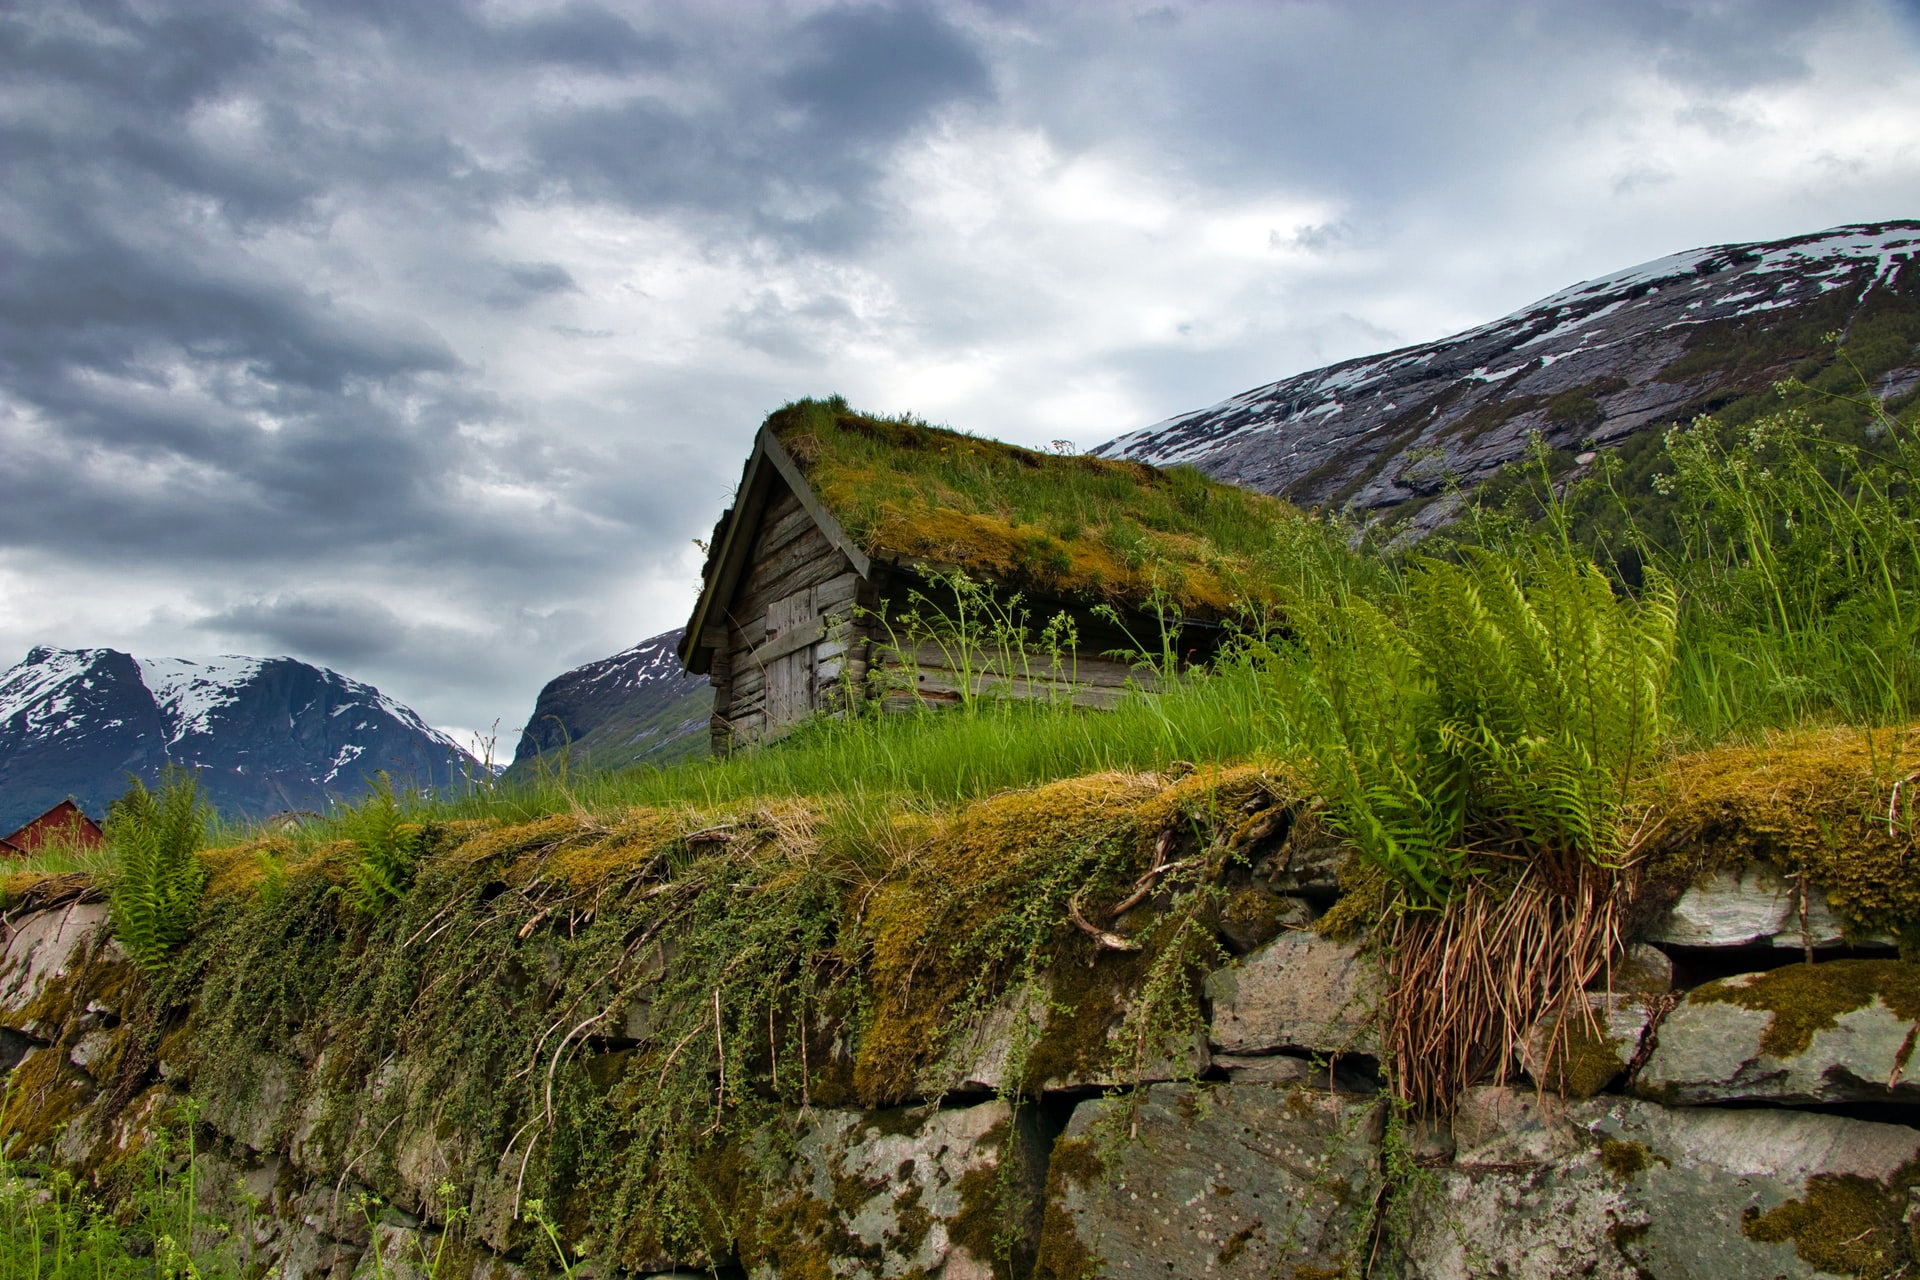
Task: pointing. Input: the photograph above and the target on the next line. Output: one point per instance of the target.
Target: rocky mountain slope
(1589, 366)
(636, 707)
(267, 734)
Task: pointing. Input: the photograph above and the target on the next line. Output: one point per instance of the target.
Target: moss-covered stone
(1818, 802)
(1847, 1224)
(1625, 1159)
(1806, 998)
(1838, 1031)
(1581, 1052)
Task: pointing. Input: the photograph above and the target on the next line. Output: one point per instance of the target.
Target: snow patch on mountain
(32, 693)
(189, 693)
(1345, 434)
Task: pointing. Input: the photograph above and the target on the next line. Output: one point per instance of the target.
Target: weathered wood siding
(937, 674)
(803, 634)
(792, 642)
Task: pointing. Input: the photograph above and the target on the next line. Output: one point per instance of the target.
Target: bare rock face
(1300, 991)
(1233, 1180)
(40, 951)
(1838, 1031)
(1643, 970)
(1619, 1190)
(1753, 906)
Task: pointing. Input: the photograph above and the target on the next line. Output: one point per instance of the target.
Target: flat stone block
(1797, 1035)
(1620, 1189)
(1753, 906)
(1300, 991)
(1228, 1180)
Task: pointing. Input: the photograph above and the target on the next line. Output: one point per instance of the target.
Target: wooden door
(790, 674)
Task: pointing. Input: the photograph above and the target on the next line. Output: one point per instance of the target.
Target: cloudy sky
(420, 340)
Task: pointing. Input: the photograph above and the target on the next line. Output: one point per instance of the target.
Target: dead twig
(1111, 941)
(533, 922)
(1893, 801)
(1144, 885)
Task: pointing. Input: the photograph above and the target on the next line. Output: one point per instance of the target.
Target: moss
(44, 1093)
(1845, 1224)
(1236, 1244)
(1311, 1271)
(501, 842)
(1815, 802)
(635, 842)
(1253, 916)
(1362, 904)
(928, 927)
(1068, 526)
(23, 891)
(1089, 989)
(49, 1010)
(1626, 1160)
(912, 1222)
(1586, 1060)
(1062, 1255)
(977, 1228)
(1806, 998)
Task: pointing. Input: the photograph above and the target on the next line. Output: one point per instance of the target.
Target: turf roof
(1063, 526)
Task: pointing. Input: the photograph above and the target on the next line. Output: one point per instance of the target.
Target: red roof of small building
(64, 822)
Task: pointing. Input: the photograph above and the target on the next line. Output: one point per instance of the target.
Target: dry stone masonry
(1728, 1111)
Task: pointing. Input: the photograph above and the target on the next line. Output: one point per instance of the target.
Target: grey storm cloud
(423, 337)
(343, 632)
(796, 147)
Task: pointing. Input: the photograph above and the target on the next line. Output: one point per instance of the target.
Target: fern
(389, 849)
(158, 877)
(1497, 703)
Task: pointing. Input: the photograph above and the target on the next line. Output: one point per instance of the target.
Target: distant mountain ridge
(266, 734)
(1592, 364)
(637, 707)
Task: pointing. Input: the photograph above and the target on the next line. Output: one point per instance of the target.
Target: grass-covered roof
(1065, 526)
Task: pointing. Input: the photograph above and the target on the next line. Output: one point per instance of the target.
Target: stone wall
(1731, 1111)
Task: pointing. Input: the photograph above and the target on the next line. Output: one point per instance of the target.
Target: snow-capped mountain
(267, 734)
(639, 706)
(1592, 364)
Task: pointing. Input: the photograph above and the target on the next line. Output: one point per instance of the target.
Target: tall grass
(1799, 560)
(52, 1226)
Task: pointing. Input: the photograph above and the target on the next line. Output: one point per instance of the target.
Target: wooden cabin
(65, 823)
(844, 525)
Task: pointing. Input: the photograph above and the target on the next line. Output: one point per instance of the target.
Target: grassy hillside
(635, 708)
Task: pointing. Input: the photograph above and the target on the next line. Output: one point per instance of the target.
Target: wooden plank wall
(932, 672)
(792, 644)
(800, 638)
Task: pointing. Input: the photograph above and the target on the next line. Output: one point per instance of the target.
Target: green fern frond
(158, 878)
